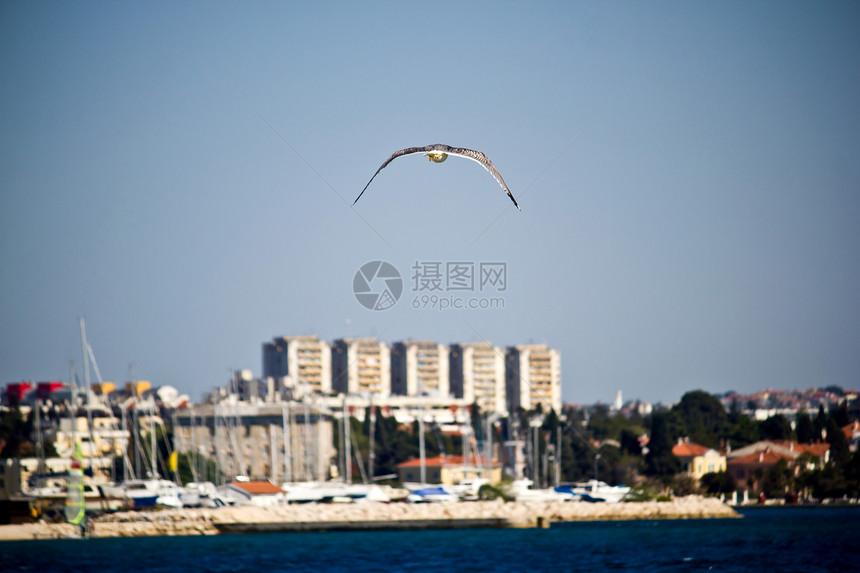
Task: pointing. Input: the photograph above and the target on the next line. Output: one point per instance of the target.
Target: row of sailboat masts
(227, 415)
(88, 359)
(552, 453)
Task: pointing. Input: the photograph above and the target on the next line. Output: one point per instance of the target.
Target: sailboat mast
(152, 444)
(421, 451)
(307, 439)
(288, 473)
(73, 405)
(348, 445)
(558, 457)
(84, 345)
(371, 455)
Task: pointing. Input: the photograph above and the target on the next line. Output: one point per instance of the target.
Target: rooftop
(687, 449)
(440, 461)
(258, 487)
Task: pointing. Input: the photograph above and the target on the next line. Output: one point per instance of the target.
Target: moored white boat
(327, 492)
(595, 491)
(522, 491)
(153, 492)
(201, 494)
(429, 494)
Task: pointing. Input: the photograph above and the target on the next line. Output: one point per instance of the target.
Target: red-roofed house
(262, 493)
(852, 434)
(787, 449)
(818, 449)
(448, 470)
(698, 460)
(744, 468)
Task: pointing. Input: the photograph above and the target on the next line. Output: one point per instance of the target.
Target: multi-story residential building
(303, 361)
(477, 374)
(405, 409)
(361, 365)
(419, 367)
(285, 441)
(520, 376)
(533, 376)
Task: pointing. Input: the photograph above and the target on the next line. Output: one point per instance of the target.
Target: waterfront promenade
(322, 517)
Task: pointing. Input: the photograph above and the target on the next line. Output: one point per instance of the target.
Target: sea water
(766, 539)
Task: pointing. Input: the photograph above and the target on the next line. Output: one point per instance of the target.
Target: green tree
(806, 467)
(207, 470)
(718, 482)
(630, 442)
(599, 423)
(685, 484)
(777, 480)
(839, 452)
(18, 436)
(820, 423)
(775, 428)
(851, 472)
(742, 430)
(841, 416)
(805, 429)
(703, 418)
(829, 483)
(660, 462)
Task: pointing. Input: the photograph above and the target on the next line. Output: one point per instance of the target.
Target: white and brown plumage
(438, 153)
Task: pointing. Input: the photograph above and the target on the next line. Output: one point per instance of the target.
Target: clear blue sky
(181, 175)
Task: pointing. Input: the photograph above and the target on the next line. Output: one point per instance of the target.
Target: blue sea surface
(766, 539)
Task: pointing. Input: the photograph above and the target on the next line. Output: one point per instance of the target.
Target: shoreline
(369, 516)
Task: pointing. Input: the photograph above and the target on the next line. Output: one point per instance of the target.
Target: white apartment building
(303, 361)
(533, 376)
(477, 374)
(361, 365)
(420, 367)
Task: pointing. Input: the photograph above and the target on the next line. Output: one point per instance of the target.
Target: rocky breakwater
(325, 517)
(689, 507)
(376, 516)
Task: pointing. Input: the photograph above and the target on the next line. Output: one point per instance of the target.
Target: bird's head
(436, 157)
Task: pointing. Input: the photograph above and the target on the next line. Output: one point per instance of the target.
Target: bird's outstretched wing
(395, 155)
(487, 164)
(441, 148)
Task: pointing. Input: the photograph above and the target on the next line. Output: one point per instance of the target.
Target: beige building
(107, 438)
(533, 376)
(449, 470)
(361, 365)
(477, 374)
(419, 367)
(447, 412)
(281, 442)
(698, 460)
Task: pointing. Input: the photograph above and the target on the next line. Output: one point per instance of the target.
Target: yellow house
(448, 470)
(698, 460)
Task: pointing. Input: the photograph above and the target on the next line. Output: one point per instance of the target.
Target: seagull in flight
(438, 153)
